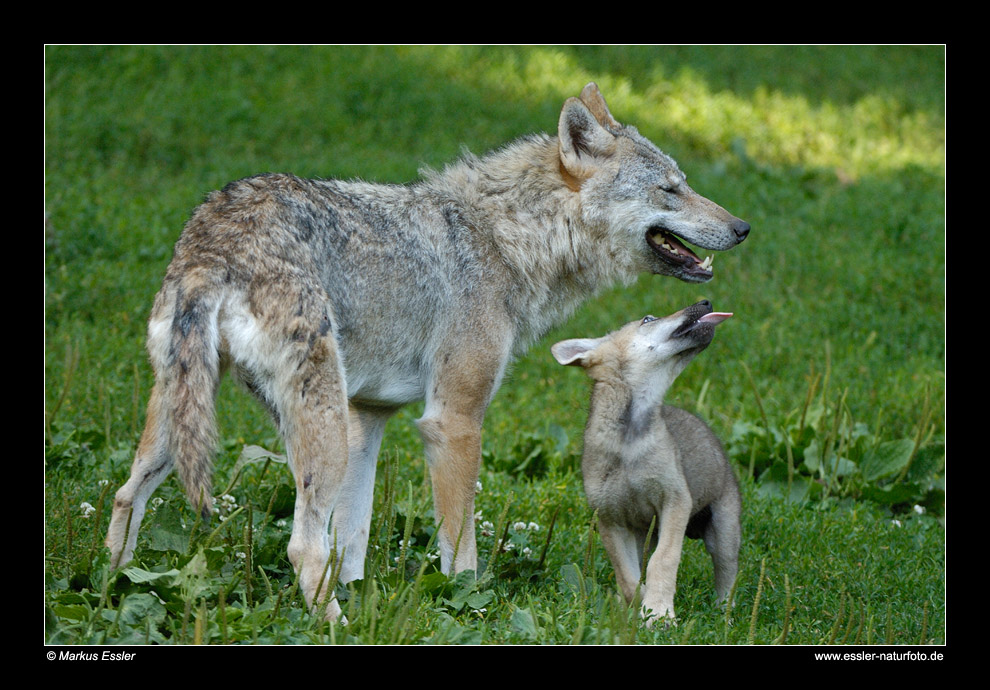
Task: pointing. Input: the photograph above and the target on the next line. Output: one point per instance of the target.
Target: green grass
(827, 386)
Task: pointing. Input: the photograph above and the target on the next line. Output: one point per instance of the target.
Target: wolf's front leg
(467, 372)
(624, 550)
(453, 450)
(661, 569)
(352, 513)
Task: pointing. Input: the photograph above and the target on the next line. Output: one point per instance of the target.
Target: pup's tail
(184, 343)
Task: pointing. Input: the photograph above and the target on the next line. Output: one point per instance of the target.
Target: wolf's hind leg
(299, 371)
(722, 540)
(152, 464)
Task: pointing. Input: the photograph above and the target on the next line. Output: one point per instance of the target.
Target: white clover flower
(895, 523)
(477, 516)
(920, 510)
(519, 526)
(527, 551)
(156, 501)
(433, 555)
(533, 526)
(477, 487)
(103, 482)
(241, 555)
(487, 529)
(87, 508)
(280, 523)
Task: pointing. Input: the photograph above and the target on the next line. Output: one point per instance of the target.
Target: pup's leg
(151, 466)
(352, 513)
(722, 539)
(624, 549)
(661, 570)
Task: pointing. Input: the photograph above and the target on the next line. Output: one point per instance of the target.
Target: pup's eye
(647, 319)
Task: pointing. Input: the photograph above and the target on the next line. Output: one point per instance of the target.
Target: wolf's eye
(647, 319)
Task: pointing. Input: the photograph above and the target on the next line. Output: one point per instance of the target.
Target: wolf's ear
(574, 352)
(582, 139)
(593, 98)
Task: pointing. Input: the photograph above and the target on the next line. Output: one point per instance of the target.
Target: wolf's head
(638, 194)
(649, 349)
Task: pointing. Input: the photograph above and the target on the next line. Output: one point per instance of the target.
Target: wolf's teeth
(670, 249)
(707, 263)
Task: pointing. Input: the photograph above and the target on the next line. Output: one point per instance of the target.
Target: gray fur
(644, 461)
(339, 302)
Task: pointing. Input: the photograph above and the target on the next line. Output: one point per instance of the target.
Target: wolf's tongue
(715, 317)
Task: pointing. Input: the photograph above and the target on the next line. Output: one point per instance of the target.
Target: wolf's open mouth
(700, 321)
(672, 250)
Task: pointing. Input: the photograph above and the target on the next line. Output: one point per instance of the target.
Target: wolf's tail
(184, 343)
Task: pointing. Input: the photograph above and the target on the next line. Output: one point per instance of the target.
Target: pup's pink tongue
(715, 317)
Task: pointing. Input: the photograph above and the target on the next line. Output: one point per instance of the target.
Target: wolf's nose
(741, 228)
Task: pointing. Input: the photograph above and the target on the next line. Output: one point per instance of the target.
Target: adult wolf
(338, 302)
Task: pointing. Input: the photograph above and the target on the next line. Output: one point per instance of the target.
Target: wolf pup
(336, 303)
(644, 460)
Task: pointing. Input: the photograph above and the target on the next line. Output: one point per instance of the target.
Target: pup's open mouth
(671, 249)
(700, 321)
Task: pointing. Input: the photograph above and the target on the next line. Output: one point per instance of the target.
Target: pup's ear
(575, 351)
(582, 139)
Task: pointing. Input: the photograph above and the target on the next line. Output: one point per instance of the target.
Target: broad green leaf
(574, 579)
(136, 609)
(826, 467)
(893, 494)
(252, 454)
(773, 482)
(886, 460)
(139, 575)
(193, 576)
(479, 600)
(524, 623)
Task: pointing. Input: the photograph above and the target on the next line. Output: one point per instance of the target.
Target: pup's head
(638, 193)
(643, 347)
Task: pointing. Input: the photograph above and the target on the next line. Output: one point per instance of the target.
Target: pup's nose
(741, 228)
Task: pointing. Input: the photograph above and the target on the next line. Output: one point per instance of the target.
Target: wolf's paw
(654, 620)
